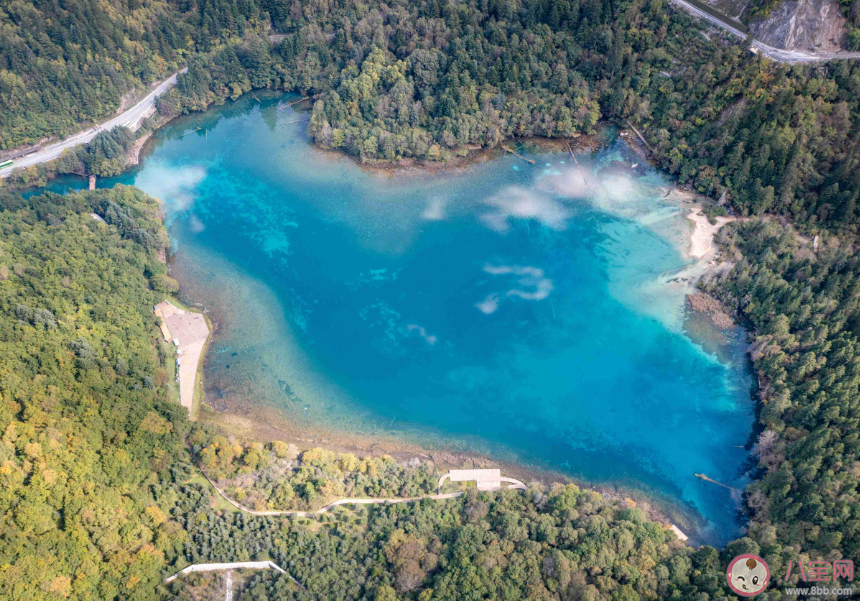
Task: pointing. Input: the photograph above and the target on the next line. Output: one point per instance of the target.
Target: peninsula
(189, 332)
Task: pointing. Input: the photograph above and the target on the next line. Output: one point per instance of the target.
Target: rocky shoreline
(706, 304)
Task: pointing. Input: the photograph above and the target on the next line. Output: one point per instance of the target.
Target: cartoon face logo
(748, 575)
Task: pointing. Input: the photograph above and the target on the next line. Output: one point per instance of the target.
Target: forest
(85, 418)
(99, 499)
(805, 311)
(66, 65)
(276, 475)
(429, 80)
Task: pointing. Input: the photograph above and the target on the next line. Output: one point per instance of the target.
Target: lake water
(524, 311)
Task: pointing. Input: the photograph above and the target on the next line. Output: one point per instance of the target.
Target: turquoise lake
(524, 311)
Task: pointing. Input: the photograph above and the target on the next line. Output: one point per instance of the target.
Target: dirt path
(325, 508)
(516, 484)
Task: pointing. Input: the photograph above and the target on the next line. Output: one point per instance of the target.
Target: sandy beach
(702, 239)
(190, 333)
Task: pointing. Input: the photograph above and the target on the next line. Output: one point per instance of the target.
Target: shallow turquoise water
(522, 311)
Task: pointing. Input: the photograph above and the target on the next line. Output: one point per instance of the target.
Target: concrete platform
(189, 332)
(486, 479)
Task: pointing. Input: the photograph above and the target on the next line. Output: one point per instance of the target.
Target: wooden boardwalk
(517, 155)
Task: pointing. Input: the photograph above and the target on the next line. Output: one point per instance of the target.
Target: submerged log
(517, 155)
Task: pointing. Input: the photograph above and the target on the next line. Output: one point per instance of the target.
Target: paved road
(777, 54)
(129, 117)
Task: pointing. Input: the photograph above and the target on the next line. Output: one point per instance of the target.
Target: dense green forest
(429, 79)
(84, 414)
(426, 80)
(70, 63)
(805, 311)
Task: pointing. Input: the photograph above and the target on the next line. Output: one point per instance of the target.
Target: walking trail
(516, 484)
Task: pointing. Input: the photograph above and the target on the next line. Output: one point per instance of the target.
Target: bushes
(278, 477)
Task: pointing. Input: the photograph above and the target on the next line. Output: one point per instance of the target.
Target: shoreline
(191, 332)
(461, 158)
(254, 421)
(265, 423)
(702, 245)
(700, 248)
(671, 510)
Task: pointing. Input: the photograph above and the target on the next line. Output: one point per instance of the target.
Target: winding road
(129, 118)
(777, 54)
(134, 114)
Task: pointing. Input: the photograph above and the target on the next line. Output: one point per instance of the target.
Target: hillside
(804, 25)
(823, 25)
(66, 64)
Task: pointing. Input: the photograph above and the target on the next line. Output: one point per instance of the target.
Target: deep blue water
(523, 311)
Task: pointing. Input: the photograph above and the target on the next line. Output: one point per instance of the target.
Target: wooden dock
(92, 182)
(188, 132)
(517, 155)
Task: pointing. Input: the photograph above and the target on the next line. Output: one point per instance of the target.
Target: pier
(282, 107)
(641, 137)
